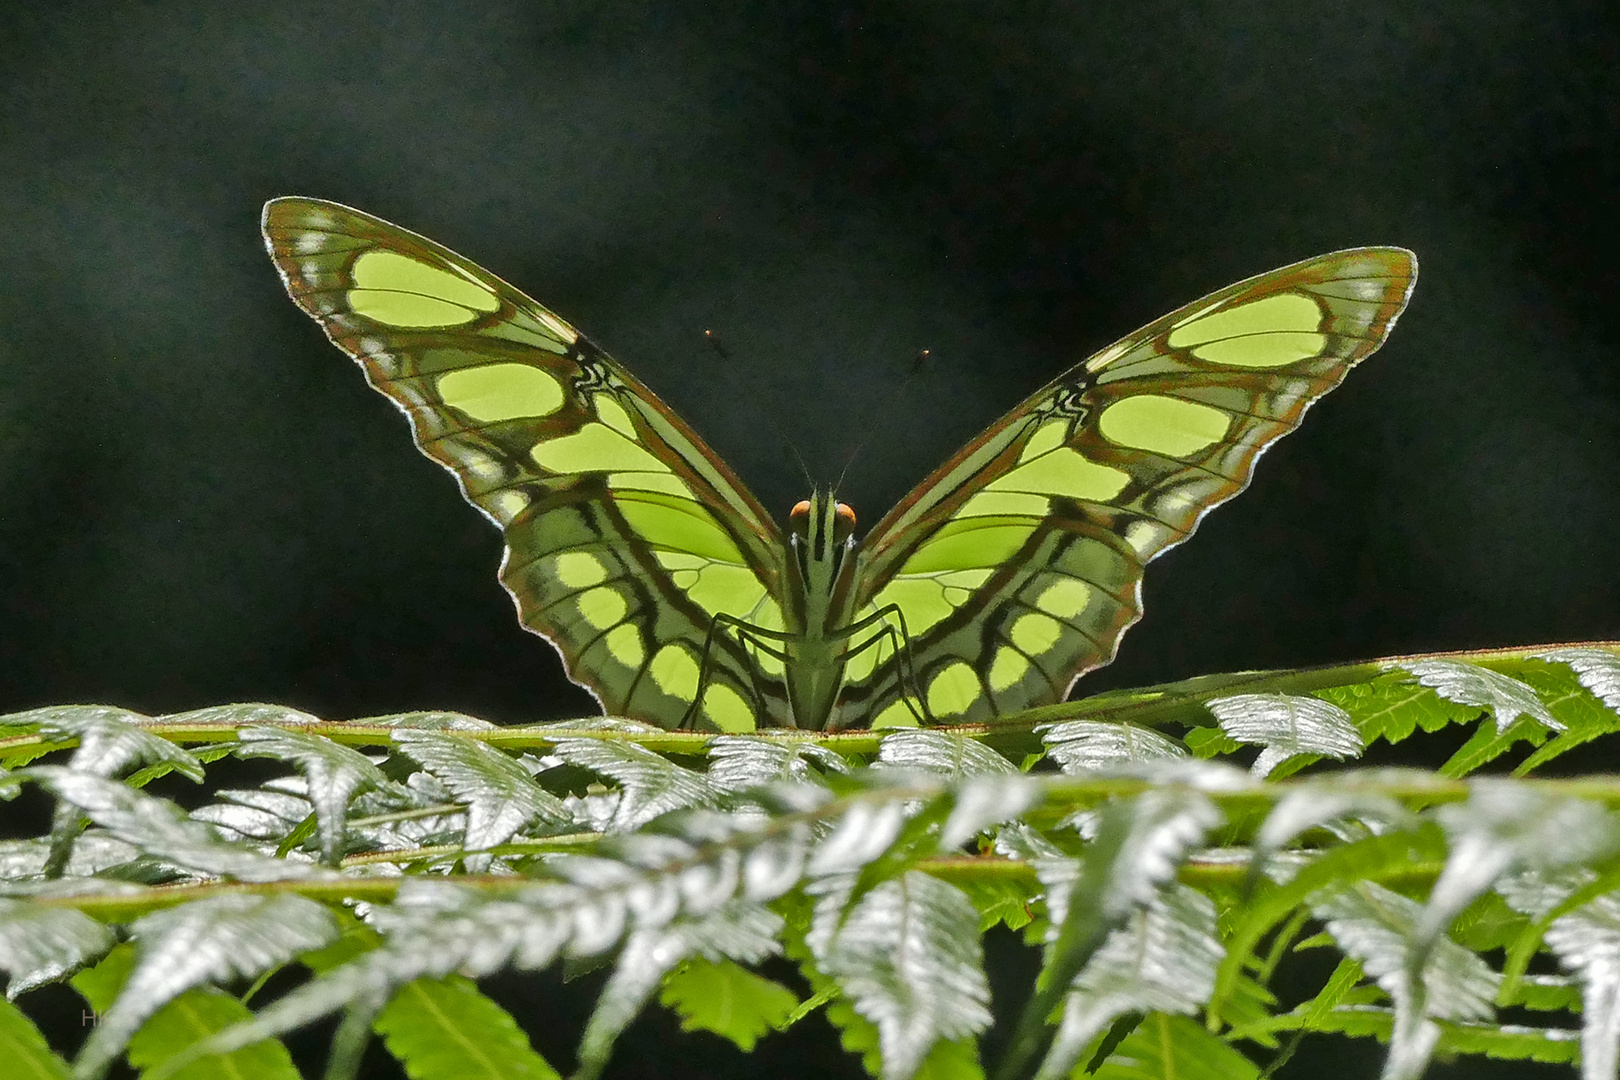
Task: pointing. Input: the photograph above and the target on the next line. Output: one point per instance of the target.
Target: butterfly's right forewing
(626, 536)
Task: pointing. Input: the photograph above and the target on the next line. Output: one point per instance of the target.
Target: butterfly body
(674, 596)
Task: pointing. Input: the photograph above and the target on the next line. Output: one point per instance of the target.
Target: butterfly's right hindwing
(625, 535)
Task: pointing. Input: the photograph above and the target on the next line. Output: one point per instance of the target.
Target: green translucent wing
(625, 534)
(1018, 565)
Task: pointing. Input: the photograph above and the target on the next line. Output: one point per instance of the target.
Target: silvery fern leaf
(1586, 942)
(434, 720)
(262, 815)
(111, 741)
(1376, 926)
(985, 801)
(109, 744)
(1469, 684)
(1080, 746)
(93, 852)
(1287, 725)
(501, 797)
(207, 941)
(1163, 959)
(335, 774)
(244, 714)
(740, 931)
(1596, 669)
(908, 957)
(738, 762)
(1506, 826)
(434, 928)
(40, 944)
(161, 829)
(866, 830)
(1315, 804)
(946, 754)
(1143, 841)
(1139, 844)
(649, 785)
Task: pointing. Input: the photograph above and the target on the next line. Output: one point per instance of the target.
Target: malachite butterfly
(675, 598)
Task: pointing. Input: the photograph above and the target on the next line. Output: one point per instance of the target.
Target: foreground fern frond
(399, 858)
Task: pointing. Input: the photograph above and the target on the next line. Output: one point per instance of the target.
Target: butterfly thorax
(820, 549)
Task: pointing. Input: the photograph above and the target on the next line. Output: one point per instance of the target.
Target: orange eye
(800, 512)
(843, 522)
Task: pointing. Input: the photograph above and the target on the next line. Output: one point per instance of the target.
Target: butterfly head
(821, 531)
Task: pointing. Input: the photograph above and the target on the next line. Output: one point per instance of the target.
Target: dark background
(201, 501)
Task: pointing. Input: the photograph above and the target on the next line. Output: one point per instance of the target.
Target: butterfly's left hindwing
(1017, 566)
(625, 534)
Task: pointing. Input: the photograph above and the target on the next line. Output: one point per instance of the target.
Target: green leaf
(1208, 742)
(99, 985)
(1393, 705)
(24, 1050)
(1487, 744)
(1581, 687)
(1000, 899)
(217, 939)
(1555, 1046)
(741, 930)
(727, 999)
(195, 1015)
(179, 1024)
(1172, 1048)
(446, 1029)
(1488, 923)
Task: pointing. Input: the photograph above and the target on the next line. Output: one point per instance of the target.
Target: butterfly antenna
(809, 481)
(918, 362)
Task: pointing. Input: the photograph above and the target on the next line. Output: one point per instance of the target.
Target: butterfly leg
(747, 634)
(909, 690)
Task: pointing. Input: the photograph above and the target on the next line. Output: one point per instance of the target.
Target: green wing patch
(1017, 566)
(625, 535)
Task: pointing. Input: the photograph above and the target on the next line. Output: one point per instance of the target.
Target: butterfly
(675, 598)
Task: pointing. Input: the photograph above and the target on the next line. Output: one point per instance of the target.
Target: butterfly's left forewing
(625, 534)
(1017, 566)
